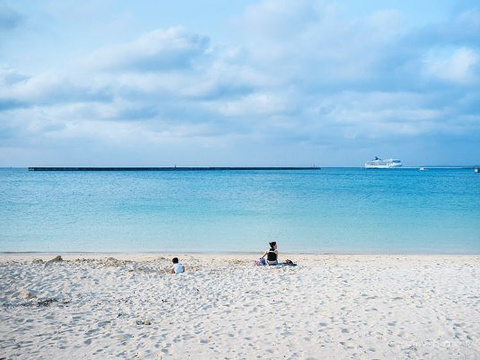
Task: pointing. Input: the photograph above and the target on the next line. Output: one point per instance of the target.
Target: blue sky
(272, 82)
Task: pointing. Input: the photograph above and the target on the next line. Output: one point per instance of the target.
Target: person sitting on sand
(271, 254)
(177, 268)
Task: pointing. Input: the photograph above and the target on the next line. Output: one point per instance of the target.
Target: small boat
(422, 169)
(477, 170)
(378, 163)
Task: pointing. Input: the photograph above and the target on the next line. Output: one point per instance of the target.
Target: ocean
(332, 210)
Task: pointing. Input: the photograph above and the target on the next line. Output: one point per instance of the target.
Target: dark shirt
(271, 256)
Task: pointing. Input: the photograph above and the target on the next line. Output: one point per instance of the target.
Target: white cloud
(304, 75)
(461, 66)
(159, 50)
(256, 104)
(317, 45)
(9, 76)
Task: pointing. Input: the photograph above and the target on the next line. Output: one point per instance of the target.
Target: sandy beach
(110, 306)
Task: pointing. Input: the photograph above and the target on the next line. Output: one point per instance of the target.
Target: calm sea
(330, 210)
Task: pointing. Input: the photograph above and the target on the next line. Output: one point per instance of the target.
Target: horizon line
(204, 167)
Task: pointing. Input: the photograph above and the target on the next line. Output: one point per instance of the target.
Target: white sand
(223, 307)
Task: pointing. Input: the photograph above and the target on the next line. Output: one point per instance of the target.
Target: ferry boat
(383, 163)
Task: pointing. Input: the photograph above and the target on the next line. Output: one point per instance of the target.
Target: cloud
(305, 77)
(9, 76)
(324, 48)
(159, 50)
(8, 79)
(459, 66)
(47, 89)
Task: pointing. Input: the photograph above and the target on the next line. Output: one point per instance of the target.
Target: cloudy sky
(213, 82)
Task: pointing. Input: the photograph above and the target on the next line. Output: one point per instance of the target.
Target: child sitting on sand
(177, 268)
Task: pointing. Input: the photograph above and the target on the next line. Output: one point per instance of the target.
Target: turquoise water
(330, 210)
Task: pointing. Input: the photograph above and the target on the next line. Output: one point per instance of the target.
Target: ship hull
(383, 164)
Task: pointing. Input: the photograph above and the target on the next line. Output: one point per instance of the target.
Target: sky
(241, 83)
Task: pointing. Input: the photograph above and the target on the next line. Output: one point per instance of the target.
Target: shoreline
(246, 256)
(234, 253)
(302, 259)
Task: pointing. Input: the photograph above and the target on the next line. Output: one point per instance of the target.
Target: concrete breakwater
(167, 168)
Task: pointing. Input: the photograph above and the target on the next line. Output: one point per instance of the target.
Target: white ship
(382, 163)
